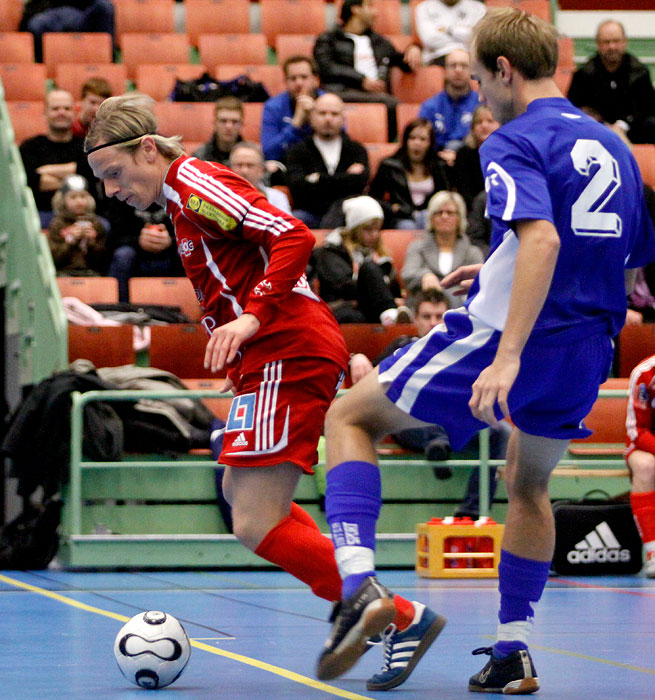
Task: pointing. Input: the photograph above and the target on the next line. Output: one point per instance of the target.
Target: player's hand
(493, 385)
(225, 341)
(463, 277)
(360, 366)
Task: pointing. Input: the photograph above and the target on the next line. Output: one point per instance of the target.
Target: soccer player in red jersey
(283, 350)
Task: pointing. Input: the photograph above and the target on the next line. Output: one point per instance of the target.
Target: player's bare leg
(527, 550)
(353, 425)
(268, 523)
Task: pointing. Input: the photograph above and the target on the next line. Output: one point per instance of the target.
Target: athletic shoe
(649, 567)
(366, 613)
(403, 650)
(513, 675)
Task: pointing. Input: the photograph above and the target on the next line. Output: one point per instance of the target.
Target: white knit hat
(359, 210)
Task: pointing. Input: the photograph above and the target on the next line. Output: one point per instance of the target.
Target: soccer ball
(152, 649)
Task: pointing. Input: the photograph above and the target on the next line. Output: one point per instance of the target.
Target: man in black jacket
(327, 166)
(615, 86)
(355, 62)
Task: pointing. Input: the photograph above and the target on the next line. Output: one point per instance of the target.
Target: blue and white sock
(520, 582)
(352, 506)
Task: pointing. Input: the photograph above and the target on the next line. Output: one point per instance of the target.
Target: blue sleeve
(517, 186)
(276, 133)
(426, 110)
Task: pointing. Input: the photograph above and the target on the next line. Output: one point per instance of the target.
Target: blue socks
(352, 501)
(521, 582)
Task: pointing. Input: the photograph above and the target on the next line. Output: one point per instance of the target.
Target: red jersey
(640, 418)
(243, 255)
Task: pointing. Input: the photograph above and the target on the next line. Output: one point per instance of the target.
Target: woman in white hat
(354, 271)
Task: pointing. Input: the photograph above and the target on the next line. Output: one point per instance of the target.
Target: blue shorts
(556, 386)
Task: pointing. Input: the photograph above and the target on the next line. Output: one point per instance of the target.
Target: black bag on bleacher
(595, 537)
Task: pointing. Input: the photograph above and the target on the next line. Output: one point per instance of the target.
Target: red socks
(643, 509)
(296, 545)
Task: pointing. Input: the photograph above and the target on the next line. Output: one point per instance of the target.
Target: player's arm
(536, 258)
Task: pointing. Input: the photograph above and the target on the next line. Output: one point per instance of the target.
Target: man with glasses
(228, 120)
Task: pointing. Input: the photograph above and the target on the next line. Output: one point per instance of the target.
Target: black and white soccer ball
(152, 649)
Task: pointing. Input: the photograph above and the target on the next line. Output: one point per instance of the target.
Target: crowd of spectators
(307, 163)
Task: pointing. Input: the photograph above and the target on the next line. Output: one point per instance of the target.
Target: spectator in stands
(406, 180)
(429, 308)
(247, 160)
(143, 244)
(616, 87)
(51, 157)
(640, 456)
(444, 26)
(479, 225)
(94, 91)
(444, 247)
(326, 166)
(355, 62)
(451, 110)
(41, 16)
(78, 238)
(467, 174)
(228, 120)
(285, 119)
(356, 275)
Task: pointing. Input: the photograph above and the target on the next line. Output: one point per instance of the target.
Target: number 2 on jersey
(587, 217)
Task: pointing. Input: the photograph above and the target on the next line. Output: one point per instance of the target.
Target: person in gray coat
(443, 248)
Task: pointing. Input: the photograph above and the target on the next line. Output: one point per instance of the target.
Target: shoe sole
(376, 617)
(523, 687)
(433, 632)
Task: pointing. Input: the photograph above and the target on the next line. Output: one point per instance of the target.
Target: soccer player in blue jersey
(533, 342)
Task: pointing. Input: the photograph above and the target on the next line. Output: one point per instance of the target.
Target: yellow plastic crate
(458, 551)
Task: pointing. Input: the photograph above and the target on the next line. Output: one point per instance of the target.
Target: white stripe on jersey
(508, 181)
(631, 419)
(213, 268)
(172, 195)
(268, 390)
(212, 195)
(237, 205)
(433, 364)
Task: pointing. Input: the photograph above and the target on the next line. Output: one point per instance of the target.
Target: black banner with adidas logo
(595, 537)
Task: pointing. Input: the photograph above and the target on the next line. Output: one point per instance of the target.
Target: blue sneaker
(403, 650)
(513, 675)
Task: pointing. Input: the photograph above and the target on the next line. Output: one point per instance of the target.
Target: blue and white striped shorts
(555, 389)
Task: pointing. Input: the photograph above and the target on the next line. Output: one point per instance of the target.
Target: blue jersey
(450, 118)
(555, 163)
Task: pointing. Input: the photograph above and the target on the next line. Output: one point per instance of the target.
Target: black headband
(115, 143)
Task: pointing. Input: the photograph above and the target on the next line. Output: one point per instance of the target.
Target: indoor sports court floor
(257, 635)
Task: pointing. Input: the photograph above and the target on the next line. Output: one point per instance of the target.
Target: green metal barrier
(35, 318)
(193, 550)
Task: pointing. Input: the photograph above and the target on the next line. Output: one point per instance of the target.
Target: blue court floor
(256, 635)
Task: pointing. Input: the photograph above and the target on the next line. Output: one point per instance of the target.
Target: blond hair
(526, 41)
(119, 118)
(439, 199)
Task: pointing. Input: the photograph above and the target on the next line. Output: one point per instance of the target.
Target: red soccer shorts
(278, 411)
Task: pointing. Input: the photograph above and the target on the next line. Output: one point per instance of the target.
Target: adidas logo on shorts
(598, 547)
(240, 441)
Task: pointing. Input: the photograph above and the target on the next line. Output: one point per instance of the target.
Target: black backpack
(30, 540)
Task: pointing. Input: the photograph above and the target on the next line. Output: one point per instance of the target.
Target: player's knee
(642, 465)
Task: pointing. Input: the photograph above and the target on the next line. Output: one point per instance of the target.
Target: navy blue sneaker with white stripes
(403, 650)
(513, 675)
